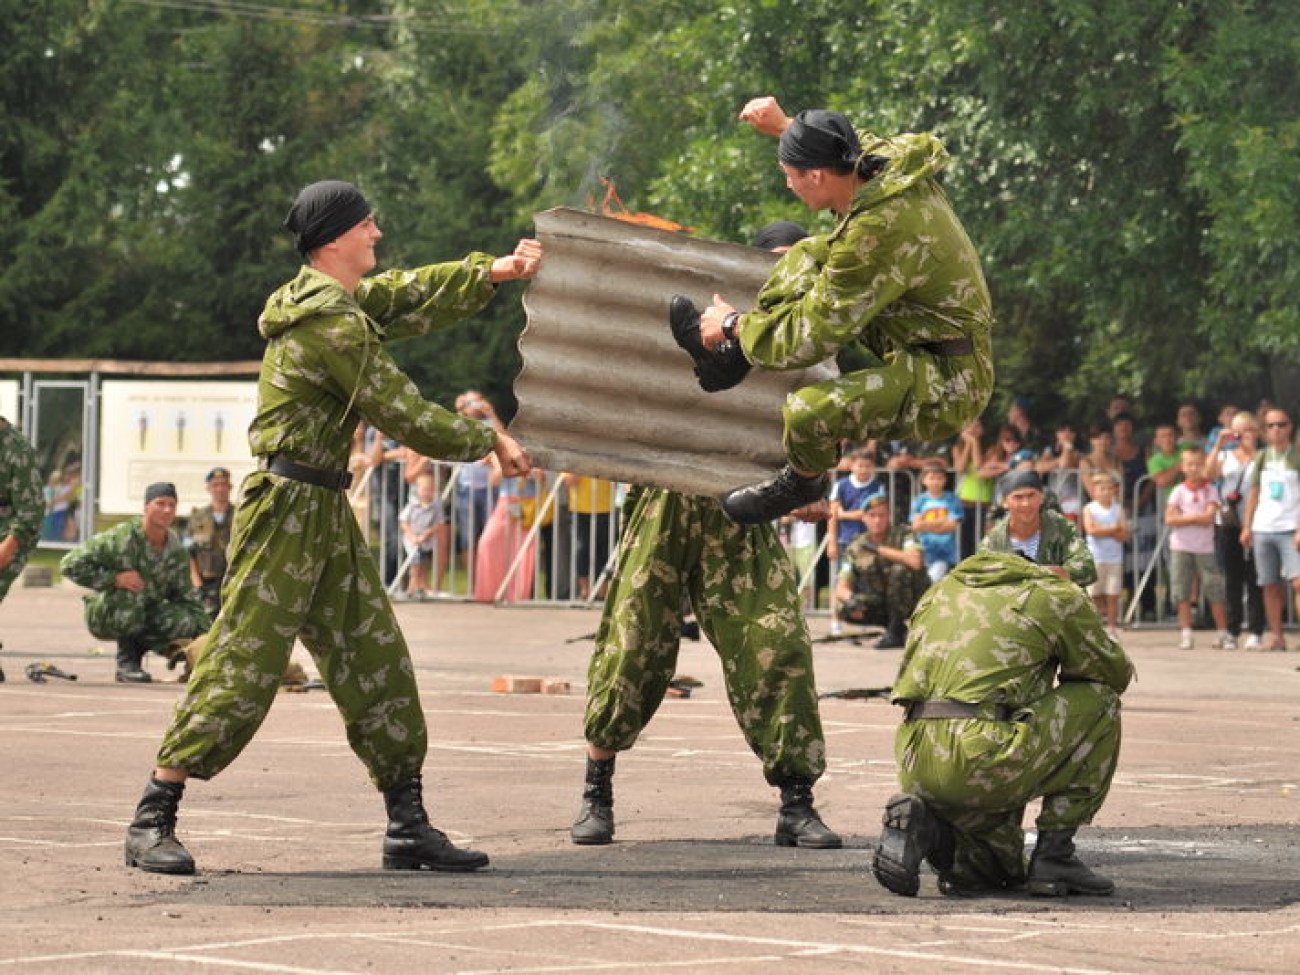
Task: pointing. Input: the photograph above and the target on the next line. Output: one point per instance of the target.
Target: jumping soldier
(898, 273)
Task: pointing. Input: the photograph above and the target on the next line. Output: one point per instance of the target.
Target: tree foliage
(1128, 170)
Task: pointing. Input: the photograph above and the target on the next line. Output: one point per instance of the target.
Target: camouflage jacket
(96, 564)
(867, 570)
(22, 496)
(999, 629)
(1060, 544)
(326, 368)
(898, 270)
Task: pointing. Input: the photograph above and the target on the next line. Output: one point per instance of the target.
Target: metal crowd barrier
(538, 539)
(517, 542)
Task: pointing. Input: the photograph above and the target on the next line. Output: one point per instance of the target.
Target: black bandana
(818, 139)
(159, 489)
(783, 233)
(324, 212)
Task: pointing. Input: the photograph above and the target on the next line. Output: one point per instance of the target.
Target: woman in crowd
(1231, 466)
(1100, 457)
(974, 490)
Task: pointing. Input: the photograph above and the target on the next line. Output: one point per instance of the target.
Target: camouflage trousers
(979, 775)
(895, 591)
(10, 573)
(15, 568)
(300, 568)
(909, 397)
(153, 622)
(740, 584)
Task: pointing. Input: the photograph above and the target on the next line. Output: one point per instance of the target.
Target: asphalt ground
(1200, 833)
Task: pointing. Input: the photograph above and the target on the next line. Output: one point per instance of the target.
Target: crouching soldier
(141, 576)
(1011, 689)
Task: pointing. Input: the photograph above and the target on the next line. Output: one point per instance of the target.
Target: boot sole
(591, 840)
(903, 845)
(414, 863)
(783, 839)
(1060, 888)
(178, 869)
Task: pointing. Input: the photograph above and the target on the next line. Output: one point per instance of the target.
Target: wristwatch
(729, 326)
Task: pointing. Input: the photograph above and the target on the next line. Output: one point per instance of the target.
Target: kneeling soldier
(1012, 689)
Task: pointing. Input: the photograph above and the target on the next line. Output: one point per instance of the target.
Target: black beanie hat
(159, 489)
(782, 233)
(1018, 479)
(324, 212)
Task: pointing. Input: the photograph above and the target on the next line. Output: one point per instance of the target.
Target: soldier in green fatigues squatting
(898, 273)
(743, 591)
(1011, 688)
(143, 597)
(299, 566)
(22, 505)
(1044, 535)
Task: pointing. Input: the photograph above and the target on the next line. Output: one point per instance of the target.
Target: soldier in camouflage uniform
(898, 273)
(141, 576)
(884, 576)
(209, 529)
(1012, 690)
(22, 505)
(1039, 532)
(740, 583)
(299, 565)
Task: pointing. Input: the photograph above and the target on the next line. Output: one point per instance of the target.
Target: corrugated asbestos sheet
(604, 390)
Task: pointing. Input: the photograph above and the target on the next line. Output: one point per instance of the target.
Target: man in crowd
(22, 505)
(884, 576)
(897, 273)
(1271, 525)
(143, 598)
(299, 565)
(1037, 532)
(1011, 689)
(209, 538)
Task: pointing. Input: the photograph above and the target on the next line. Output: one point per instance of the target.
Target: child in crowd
(849, 501)
(1107, 530)
(936, 519)
(1190, 517)
(424, 530)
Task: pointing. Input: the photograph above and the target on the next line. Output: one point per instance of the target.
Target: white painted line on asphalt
(70, 733)
(799, 947)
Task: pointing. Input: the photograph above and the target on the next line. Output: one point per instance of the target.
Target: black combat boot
(410, 843)
(895, 635)
(595, 823)
(912, 833)
(130, 662)
(715, 369)
(797, 824)
(768, 500)
(1055, 871)
(151, 842)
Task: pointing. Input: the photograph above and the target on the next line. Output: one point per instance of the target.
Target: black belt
(334, 480)
(929, 710)
(948, 348)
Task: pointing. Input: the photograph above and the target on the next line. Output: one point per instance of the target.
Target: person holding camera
(1231, 465)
